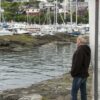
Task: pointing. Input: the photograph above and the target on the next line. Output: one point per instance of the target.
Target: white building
(32, 11)
(42, 0)
(62, 11)
(44, 5)
(20, 0)
(80, 5)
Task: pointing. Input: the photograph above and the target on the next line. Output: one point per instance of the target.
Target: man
(80, 66)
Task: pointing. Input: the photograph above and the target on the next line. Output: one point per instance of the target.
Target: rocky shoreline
(26, 41)
(58, 88)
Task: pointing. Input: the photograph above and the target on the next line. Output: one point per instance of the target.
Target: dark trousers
(79, 83)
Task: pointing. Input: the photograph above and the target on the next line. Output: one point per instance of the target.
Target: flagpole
(96, 50)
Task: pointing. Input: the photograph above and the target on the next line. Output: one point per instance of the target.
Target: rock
(32, 97)
(11, 97)
(36, 97)
(60, 98)
(4, 43)
(18, 48)
(1, 96)
(68, 97)
(58, 88)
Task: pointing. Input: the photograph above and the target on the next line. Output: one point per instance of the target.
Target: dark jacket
(81, 61)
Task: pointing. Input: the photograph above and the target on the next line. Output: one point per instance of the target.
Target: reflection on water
(18, 69)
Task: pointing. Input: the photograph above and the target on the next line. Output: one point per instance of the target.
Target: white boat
(4, 31)
(47, 29)
(15, 25)
(37, 33)
(83, 28)
(20, 31)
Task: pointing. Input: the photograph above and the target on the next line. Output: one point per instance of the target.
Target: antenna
(56, 11)
(76, 11)
(0, 10)
(71, 19)
(65, 3)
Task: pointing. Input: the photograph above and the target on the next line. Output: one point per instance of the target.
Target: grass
(21, 38)
(26, 39)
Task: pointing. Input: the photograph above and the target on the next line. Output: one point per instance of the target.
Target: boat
(4, 31)
(3, 25)
(20, 31)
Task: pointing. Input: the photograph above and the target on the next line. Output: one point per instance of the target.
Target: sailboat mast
(56, 12)
(65, 9)
(71, 19)
(0, 11)
(76, 11)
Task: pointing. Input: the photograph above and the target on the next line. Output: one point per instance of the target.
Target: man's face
(78, 42)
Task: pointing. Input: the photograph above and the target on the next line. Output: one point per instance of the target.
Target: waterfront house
(20, 1)
(33, 11)
(81, 6)
(61, 10)
(42, 0)
(45, 5)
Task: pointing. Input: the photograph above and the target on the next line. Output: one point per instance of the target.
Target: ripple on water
(19, 69)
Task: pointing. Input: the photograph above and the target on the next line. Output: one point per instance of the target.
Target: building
(32, 11)
(62, 11)
(20, 1)
(42, 0)
(79, 0)
(81, 6)
(45, 5)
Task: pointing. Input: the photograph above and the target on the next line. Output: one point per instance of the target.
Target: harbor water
(20, 69)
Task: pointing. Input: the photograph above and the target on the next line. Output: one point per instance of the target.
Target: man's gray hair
(83, 39)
